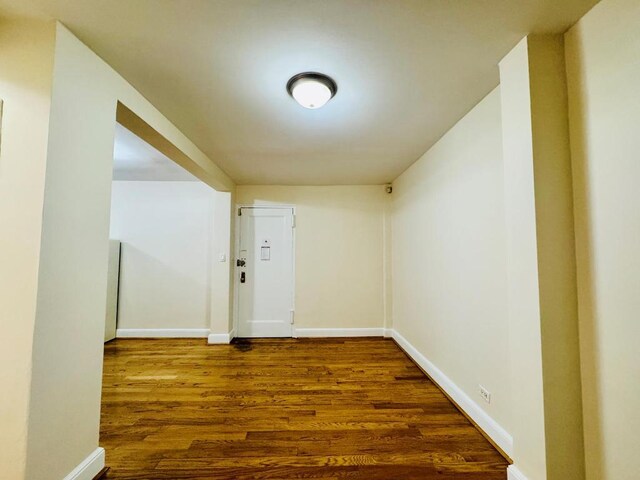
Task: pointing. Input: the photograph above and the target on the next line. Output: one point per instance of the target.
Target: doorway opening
(162, 218)
(168, 275)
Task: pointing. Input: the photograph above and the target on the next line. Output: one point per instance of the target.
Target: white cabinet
(113, 276)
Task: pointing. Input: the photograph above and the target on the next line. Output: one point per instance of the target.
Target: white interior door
(264, 272)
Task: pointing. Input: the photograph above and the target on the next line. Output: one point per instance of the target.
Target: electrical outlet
(484, 393)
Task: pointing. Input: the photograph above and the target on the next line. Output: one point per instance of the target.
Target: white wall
(449, 258)
(166, 230)
(221, 301)
(603, 52)
(64, 410)
(339, 252)
(26, 65)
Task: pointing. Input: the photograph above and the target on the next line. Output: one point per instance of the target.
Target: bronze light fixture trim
(312, 89)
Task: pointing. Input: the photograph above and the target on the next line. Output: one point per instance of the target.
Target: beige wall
(543, 322)
(449, 259)
(524, 310)
(339, 252)
(602, 53)
(67, 353)
(556, 259)
(26, 65)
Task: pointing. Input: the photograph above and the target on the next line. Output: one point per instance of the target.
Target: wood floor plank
(330, 409)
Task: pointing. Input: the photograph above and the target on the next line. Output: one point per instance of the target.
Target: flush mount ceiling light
(311, 89)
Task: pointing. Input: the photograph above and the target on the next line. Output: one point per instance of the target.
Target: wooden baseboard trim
(102, 473)
(89, 467)
(481, 420)
(221, 338)
(162, 333)
(338, 332)
(514, 474)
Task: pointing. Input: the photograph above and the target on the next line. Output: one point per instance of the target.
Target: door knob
(242, 277)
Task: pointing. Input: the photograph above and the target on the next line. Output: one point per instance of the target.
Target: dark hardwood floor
(282, 409)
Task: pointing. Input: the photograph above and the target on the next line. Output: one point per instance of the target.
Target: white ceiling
(135, 159)
(406, 70)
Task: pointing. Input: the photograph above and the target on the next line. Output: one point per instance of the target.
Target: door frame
(236, 254)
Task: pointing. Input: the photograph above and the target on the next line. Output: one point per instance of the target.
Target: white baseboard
(514, 474)
(387, 332)
(162, 332)
(89, 467)
(221, 338)
(498, 434)
(338, 332)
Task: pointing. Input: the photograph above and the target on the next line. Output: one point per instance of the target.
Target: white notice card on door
(265, 249)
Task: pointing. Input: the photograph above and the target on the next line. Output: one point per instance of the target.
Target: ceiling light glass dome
(311, 89)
